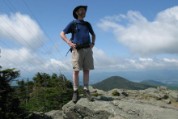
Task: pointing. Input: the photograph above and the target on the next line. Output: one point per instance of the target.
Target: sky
(136, 39)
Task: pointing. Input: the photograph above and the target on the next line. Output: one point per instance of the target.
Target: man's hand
(92, 45)
(63, 36)
(71, 44)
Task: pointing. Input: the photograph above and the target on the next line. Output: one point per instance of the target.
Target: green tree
(46, 92)
(23, 91)
(9, 104)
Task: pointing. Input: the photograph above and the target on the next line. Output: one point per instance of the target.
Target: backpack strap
(75, 24)
(74, 30)
(75, 27)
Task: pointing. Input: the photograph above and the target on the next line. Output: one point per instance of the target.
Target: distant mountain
(152, 83)
(119, 82)
(171, 85)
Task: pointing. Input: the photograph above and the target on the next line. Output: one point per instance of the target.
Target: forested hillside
(43, 93)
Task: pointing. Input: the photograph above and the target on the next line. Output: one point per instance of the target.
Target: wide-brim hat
(76, 8)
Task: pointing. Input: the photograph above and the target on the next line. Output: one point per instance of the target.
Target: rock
(55, 114)
(38, 115)
(161, 88)
(151, 103)
(168, 101)
(123, 109)
(173, 95)
(136, 104)
(95, 89)
(72, 111)
(150, 90)
(125, 94)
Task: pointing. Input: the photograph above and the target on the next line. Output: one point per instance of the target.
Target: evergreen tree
(9, 104)
(45, 92)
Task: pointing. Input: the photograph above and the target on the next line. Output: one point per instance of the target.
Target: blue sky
(131, 36)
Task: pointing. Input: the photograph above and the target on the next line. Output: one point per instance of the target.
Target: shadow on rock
(80, 112)
(38, 116)
(104, 98)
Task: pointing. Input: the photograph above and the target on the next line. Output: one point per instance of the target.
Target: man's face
(81, 12)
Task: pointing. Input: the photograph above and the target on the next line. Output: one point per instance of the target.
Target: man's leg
(86, 79)
(75, 86)
(75, 80)
(86, 84)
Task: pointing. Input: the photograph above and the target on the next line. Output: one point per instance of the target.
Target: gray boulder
(136, 105)
(118, 109)
(55, 114)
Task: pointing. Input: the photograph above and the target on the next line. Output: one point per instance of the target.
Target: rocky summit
(151, 103)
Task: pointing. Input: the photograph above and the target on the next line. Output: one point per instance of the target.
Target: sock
(85, 87)
(75, 88)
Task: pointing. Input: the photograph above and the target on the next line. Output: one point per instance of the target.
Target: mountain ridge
(172, 86)
(153, 82)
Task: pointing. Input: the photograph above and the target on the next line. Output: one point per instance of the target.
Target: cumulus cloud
(132, 30)
(142, 36)
(25, 55)
(22, 29)
(104, 62)
(27, 61)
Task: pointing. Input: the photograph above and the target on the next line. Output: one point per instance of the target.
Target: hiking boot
(88, 95)
(75, 97)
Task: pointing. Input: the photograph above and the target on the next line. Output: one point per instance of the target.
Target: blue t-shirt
(80, 30)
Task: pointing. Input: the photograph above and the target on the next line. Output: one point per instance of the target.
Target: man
(81, 46)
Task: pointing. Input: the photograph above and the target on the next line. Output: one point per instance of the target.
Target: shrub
(115, 93)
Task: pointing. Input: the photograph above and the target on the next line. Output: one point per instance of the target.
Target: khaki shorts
(82, 59)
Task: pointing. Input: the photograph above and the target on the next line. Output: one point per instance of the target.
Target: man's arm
(63, 36)
(93, 38)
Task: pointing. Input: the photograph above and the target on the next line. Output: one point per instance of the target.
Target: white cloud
(29, 62)
(171, 60)
(21, 29)
(145, 37)
(104, 62)
(58, 64)
(132, 30)
(27, 55)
